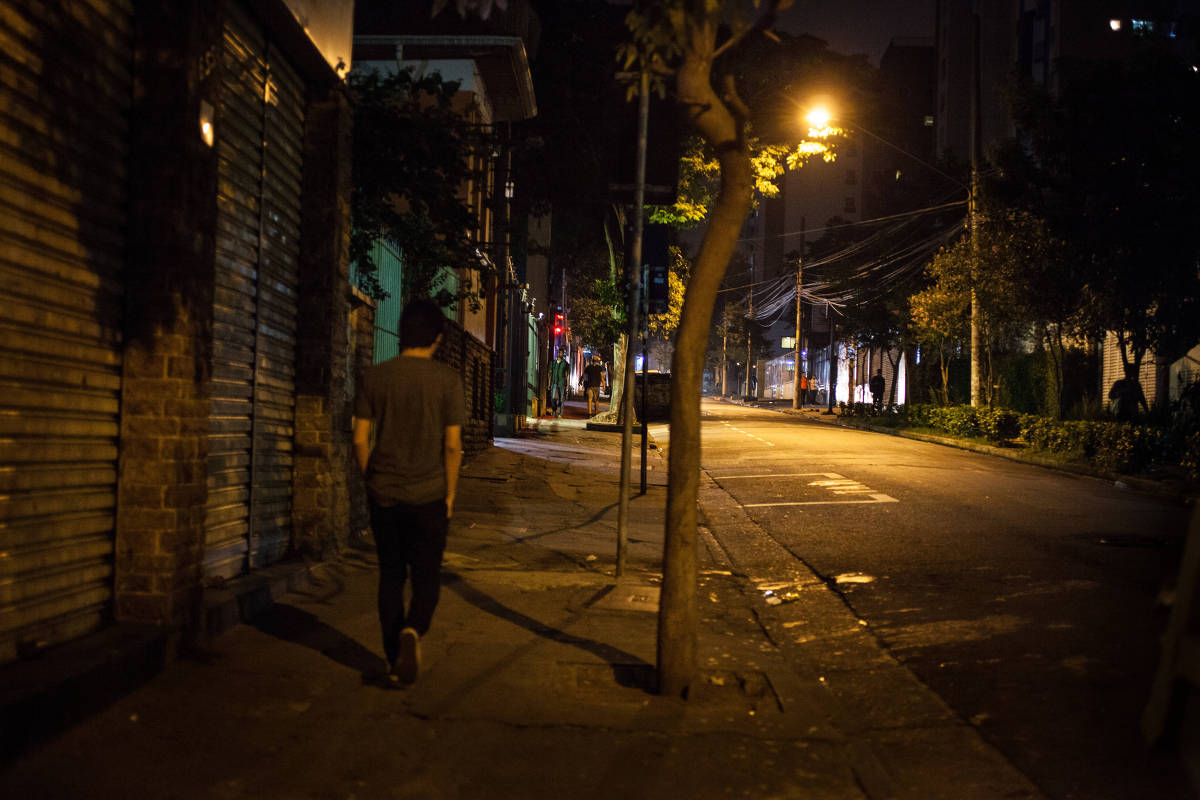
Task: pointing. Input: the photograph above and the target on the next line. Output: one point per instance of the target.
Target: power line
(876, 220)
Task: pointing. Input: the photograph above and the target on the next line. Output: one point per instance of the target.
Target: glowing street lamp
(818, 116)
(819, 119)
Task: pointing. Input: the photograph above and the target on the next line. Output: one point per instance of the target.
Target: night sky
(860, 26)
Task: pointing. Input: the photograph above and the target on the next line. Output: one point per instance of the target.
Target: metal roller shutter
(259, 139)
(65, 94)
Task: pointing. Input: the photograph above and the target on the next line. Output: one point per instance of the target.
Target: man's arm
(452, 455)
(362, 442)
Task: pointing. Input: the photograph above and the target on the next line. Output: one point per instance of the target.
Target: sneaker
(407, 666)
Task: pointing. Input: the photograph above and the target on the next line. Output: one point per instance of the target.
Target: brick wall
(322, 467)
(163, 448)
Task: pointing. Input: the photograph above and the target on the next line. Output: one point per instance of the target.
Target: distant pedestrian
(558, 384)
(877, 385)
(594, 383)
(417, 408)
(803, 389)
(1125, 396)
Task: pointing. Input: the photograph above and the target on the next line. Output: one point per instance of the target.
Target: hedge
(1110, 446)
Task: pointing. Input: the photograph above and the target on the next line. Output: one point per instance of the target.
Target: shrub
(1191, 456)
(1109, 446)
(1125, 448)
(999, 424)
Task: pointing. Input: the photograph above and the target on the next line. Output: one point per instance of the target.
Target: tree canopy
(411, 151)
(1111, 163)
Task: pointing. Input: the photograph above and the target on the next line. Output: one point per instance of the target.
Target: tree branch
(765, 20)
(732, 99)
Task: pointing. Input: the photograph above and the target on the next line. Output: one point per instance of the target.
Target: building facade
(489, 59)
(174, 238)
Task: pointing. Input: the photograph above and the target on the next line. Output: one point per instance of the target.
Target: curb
(755, 555)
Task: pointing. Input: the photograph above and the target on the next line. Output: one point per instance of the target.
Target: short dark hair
(421, 323)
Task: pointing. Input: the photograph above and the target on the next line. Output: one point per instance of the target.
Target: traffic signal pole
(633, 277)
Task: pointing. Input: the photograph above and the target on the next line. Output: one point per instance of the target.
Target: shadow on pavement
(291, 624)
(628, 670)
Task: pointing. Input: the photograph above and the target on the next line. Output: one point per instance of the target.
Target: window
(851, 207)
(851, 178)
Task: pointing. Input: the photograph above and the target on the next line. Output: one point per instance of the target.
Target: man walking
(877, 385)
(558, 384)
(417, 408)
(593, 379)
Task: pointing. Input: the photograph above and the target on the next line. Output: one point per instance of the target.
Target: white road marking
(772, 475)
(834, 483)
(877, 498)
(747, 433)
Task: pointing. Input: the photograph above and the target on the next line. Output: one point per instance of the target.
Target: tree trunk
(616, 384)
(714, 121)
(1054, 378)
(990, 374)
(945, 368)
(894, 363)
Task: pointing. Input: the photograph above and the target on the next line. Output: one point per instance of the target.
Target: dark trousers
(410, 540)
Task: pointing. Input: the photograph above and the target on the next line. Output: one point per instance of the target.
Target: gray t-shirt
(412, 401)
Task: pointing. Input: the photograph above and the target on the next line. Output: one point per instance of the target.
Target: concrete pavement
(538, 673)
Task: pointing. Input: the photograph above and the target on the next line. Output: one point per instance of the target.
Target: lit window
(1142, 26)
(1115, 24)
(929, 120)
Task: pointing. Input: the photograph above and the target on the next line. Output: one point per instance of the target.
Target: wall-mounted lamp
(206, 122)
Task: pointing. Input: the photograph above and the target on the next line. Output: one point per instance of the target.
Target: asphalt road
(1025, 597)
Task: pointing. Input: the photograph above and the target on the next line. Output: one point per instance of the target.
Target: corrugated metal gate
(259, 133)
(65, 94)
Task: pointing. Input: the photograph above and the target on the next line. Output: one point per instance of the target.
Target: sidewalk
(537, 675)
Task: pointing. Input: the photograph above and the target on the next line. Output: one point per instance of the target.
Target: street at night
(788, 399)
(1025, 597)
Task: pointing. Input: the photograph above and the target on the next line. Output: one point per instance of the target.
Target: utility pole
(829, 391)
(633, 277)
(645, 319)
(724, 355)
(796, 399)
(749, 336)
(973, 213)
